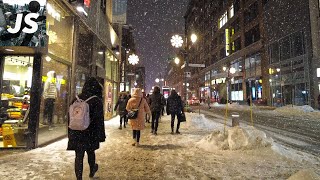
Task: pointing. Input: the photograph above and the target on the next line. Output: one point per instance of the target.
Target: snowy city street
(201, 151)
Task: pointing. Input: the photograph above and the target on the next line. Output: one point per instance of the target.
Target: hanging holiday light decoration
(176, 41)
(133, 59)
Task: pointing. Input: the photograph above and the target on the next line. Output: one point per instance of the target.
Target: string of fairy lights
(20, 62)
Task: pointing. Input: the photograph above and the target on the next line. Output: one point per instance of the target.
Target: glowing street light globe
(176, 41)
(194, 38)
(157, 80)
(232, 70)
(133, 59)
(176, 60)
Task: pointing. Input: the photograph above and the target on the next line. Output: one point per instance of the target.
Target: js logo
(27, 21)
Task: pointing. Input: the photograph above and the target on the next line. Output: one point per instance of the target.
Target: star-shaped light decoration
(133, 59)
(176, 41)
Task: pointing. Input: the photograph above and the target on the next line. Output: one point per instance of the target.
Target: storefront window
(60, 31)
(15, 100)
(54, 103)
(109, 60)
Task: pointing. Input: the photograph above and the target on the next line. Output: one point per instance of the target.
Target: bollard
(235, 119)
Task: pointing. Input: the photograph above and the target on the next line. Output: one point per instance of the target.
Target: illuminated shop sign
(23, 23)
(87, 3)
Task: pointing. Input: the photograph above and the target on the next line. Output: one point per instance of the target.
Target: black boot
(93, 170)
(172, 130)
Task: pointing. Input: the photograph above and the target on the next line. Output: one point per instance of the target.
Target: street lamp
(177, 42)
(231, 70)
(157, 80)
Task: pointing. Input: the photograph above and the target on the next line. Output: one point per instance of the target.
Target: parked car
(193, 101)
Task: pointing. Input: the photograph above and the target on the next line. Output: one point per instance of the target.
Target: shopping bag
(181, 117)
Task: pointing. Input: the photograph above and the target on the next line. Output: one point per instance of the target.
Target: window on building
(222, 53)
(285, 48)
(103, 6)
(223, 20)
(274, 52)
(236, 46)
(297, 44)
(251, 13)
(236, 25)
(253, 35)
(265, 2)
(231, 12)
(236, 5)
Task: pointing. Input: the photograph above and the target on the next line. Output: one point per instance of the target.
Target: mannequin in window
(49, 95)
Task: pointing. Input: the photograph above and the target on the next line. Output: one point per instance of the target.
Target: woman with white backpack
(87, 138)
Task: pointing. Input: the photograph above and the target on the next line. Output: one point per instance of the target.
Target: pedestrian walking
(138, 102)
(156, 102)
(147, 115)
(88, 140)
(249, 100)
(208, 102)
(121, 106)
(175, 108)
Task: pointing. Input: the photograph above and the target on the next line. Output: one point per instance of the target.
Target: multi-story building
(125, 33)
(254, 48)
(75, 41)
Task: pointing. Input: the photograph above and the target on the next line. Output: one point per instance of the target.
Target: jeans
(48, 110)
(173, 115)
(123, 117)
(78, 164)
(155, 120)
(136, 135)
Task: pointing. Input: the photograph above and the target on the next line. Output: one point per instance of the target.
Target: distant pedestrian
(88, 140)
(147, 115)
(138, 124)
(175, 108)
(249, 100)
(156, 102)
(208, 102)
(121, 106)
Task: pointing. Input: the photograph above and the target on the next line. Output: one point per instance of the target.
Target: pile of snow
(304, 174)
(295, 109)
(235, 138)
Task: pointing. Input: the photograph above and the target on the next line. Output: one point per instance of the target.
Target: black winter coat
(157, 102)
(90, 138)
(122, 104)
(174, 104)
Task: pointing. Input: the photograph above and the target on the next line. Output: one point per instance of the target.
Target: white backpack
(79, 114)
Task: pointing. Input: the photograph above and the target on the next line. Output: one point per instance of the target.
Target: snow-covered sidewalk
(194, 154)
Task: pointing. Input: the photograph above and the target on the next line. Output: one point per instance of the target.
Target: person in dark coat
(121, 106)
(89, 140)
(175, 107)
(156, 101)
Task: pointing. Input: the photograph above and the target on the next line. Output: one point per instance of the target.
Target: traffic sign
(197, 65)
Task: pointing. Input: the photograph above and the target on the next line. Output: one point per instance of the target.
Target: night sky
(154, 22)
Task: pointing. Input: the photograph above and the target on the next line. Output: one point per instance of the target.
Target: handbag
(182, 117)
(133, 113)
